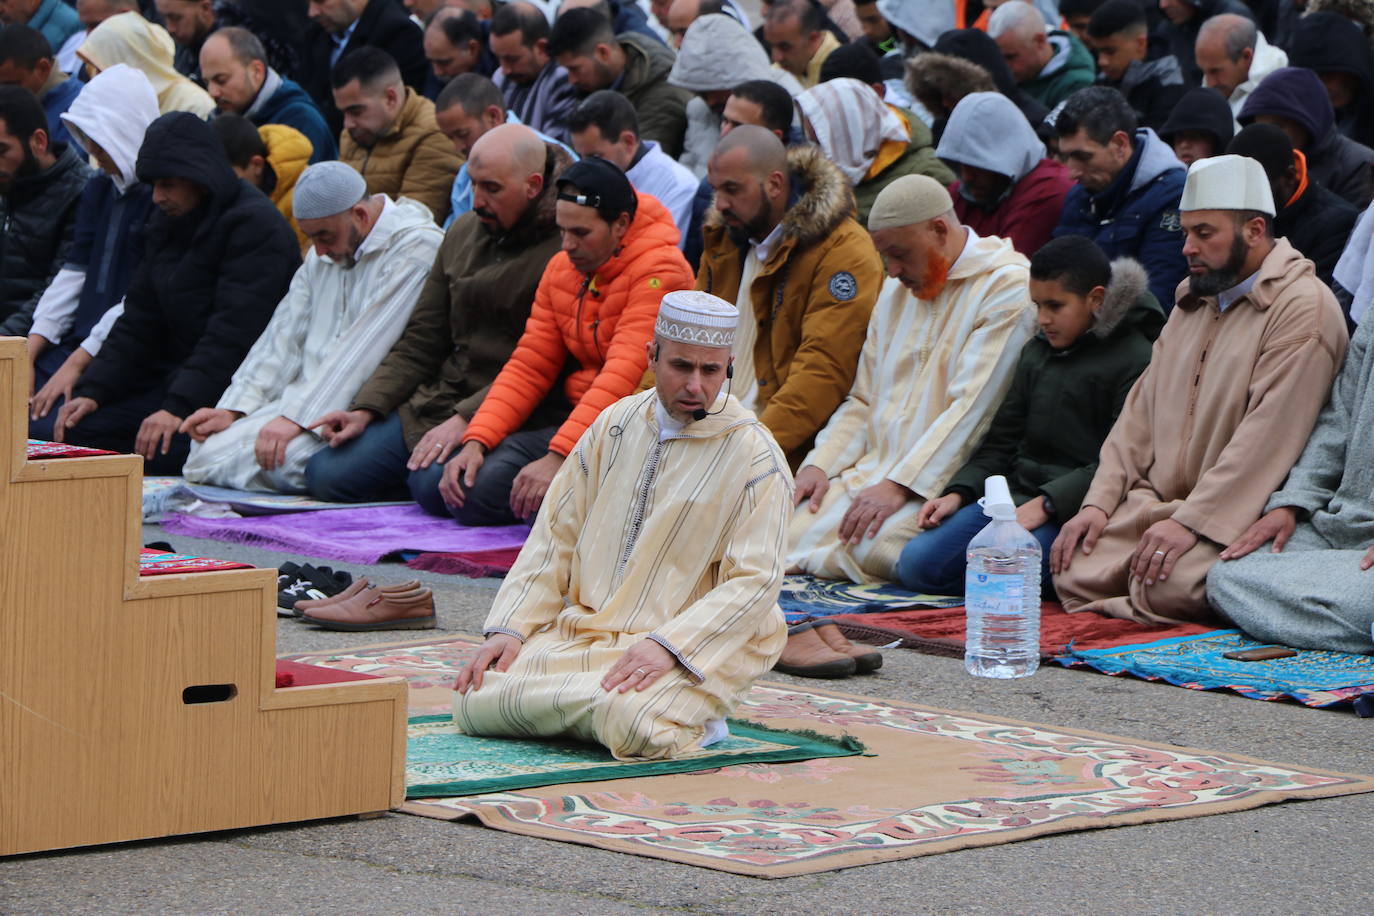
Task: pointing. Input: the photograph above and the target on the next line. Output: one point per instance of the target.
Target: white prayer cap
(1227, 183)
(697, 318)
(326, 189)
(907, 201)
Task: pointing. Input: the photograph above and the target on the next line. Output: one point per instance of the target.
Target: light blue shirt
(339, 41)
(1228, 297)
(460, 198)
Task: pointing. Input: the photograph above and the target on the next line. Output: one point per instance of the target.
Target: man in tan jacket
(390, 135)
(1213, 426)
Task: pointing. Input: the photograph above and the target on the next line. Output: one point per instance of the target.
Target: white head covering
(851, 122)
(326, 189)
(907, 201)
(1227, 183)
(114, 111)
(697, 318)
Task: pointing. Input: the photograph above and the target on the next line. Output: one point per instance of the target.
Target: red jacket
(1029, 214)
(602, 322)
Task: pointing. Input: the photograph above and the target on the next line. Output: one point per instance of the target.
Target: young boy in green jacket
(1098, 322)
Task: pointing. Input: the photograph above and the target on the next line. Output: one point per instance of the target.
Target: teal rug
(441, 761)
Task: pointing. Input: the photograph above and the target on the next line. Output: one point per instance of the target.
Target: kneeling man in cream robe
(943, 342)
(1210, 429)
(348, 303)
(644, 604)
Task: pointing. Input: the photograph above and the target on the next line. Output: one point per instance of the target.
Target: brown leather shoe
(378, 610)
(866, 658)
(405, 589)
(806, 655)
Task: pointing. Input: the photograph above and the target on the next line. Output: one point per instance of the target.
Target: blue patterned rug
(441, 761)
(804, 597)
(1311, 677)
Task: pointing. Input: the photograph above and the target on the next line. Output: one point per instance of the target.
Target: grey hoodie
(987, 131)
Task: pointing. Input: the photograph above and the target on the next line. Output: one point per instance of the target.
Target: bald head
(763, 153)
(514, 148)
(1016, 18)
(506, 166)
(1224, 50)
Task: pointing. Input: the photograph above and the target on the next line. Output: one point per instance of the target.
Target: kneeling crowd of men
(560, 273)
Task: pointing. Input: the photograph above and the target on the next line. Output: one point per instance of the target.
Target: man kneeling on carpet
(644, 604)
(348, 303)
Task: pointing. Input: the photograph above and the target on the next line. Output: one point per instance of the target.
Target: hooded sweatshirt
(1334, 160)
(1331, 43)
(717, 54)
(113, 112)
(1070, 69)
(1202, 110)
(208, 282)
(130, 39)
(1267, 59)
(986, 131)
(1153, 88)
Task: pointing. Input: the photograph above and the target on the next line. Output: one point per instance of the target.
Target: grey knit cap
(327, 188)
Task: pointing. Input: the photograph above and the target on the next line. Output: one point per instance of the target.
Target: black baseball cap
(600, 184)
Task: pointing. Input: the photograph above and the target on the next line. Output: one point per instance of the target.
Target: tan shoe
(378, 610)
(866, 658)
(310, 604)
(806, 655)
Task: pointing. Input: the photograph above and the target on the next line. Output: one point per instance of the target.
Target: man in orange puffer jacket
(593, 312)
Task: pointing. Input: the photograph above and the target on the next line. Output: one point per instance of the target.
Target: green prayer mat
(441, 761)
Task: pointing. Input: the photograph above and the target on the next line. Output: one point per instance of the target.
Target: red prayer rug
(161, 563)
(37, 449)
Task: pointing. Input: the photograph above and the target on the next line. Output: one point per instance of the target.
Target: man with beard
(347, 305)
(409, 417)
(941, 348)
(1212, 427)
(40, 186)
(217, 259)
(536, 89)
(781, 244)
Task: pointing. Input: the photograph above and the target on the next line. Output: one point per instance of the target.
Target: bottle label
(994, 594)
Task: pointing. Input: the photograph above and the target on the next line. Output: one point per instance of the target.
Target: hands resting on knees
(641, 665)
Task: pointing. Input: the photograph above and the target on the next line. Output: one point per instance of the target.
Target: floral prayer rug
(804, 597)
(37, 449)
(160, 563)
(442, 761)
(936, 782)
(1313, 678)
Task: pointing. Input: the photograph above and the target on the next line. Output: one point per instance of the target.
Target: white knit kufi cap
(697, 318)
(1227, 183)
(326, 189)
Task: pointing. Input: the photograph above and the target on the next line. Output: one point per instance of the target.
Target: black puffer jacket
(38, 217)
(208, 282)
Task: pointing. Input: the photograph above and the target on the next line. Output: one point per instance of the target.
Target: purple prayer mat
(351, 535)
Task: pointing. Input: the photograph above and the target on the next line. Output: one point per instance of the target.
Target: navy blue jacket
(1136, 216)
(290, 105)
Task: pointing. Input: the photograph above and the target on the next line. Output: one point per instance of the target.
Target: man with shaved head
(409, 417)
(1234, 57)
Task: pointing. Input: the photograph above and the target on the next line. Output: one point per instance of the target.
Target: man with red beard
(942, 344)
(782, 244)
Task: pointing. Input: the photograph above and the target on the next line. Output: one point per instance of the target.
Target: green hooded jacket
(1076, 71)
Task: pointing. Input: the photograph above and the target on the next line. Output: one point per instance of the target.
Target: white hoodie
(1267, 59)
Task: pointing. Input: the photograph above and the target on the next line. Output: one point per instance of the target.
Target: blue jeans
(934, 562)
(373, 466)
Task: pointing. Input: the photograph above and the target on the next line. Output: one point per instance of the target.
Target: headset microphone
(701, 413)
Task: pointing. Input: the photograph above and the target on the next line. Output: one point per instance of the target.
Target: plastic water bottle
(1002, 592)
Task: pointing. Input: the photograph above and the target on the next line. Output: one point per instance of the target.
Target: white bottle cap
(997, 503)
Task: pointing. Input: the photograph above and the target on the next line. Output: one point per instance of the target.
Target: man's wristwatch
(1049, 506)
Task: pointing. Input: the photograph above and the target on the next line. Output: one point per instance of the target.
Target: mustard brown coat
(412, 159)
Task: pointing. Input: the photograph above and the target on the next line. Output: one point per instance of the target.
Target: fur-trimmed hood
(1128, 302)
(819, 200)
(1360, 12)
(939, 81)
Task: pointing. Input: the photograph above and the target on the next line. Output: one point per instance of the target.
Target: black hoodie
(1203, 110)
(208, 282)
(1331, 43)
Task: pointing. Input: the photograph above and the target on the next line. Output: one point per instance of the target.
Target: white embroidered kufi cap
(326, 189)
(698, 318)
(1227, 183)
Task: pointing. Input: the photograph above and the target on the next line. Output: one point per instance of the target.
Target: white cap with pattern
(1227, 183)
(697, 318)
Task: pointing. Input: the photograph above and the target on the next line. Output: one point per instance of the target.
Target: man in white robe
(348, 303)
(644, 604)
(942, 343)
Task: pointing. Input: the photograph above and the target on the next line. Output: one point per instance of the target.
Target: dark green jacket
(919, 159)
(1077, 72)
(1048, 432)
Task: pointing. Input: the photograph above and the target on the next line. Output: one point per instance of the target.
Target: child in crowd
(1097, 322)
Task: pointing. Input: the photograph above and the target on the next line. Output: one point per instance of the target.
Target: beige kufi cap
(907, 201)
(697, 318)
(1227, 183)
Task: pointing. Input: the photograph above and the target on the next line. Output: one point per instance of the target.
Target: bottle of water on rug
(1002, 592)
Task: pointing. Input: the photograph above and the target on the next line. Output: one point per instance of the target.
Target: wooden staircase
(134, 708)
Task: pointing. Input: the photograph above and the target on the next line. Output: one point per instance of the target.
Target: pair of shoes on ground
(299, 583)
(822, 651)
(362, 606)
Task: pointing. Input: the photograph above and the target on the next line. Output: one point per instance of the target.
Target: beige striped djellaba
(679, 540)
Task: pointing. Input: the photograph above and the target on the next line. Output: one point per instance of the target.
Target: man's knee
(327, 476)
(637, 724)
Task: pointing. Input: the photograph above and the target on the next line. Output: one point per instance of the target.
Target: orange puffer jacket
(601, 321)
